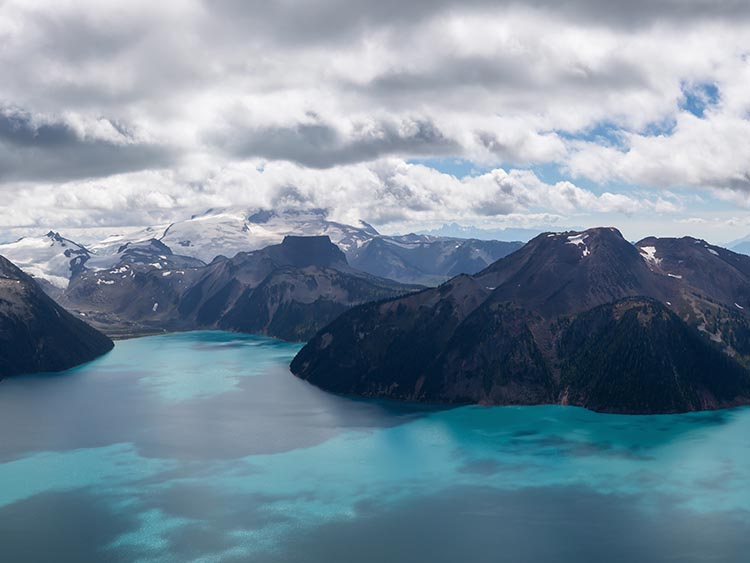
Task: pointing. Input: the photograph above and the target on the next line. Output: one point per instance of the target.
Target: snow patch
(579, 240)
(740, 307)
(649, 255)
(675, 276)
(101, 281)
(155, 307)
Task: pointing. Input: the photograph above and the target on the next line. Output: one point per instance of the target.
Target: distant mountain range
(410, 259)
(741, 246)
(36, 334)
(581, 318)
(289, 290)
(462, 231)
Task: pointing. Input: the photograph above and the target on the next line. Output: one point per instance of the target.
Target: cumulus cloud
(390, 193)
(710, 150)
(144, 109)
(322, 145)
(36, 147)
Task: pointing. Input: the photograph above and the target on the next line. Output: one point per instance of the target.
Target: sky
(410, 115)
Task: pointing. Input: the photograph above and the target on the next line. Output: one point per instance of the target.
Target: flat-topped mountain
(581, 318)
(421, 259)
(289, 290)
(36, 334)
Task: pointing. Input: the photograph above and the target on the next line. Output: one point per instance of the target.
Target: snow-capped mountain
(227, 232)
(423, 259)
(287, 290)
(49, 257)
(36, 334)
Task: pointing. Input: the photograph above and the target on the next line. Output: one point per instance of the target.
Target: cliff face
(36, 334)
(288, 291)
(585, 319)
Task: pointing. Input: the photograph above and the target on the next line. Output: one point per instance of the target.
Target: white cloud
(164, 108)
(389, 192)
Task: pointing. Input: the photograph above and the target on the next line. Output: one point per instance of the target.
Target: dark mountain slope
(36, 334)
(289, 290)
(512, 334)
(707, 286)
(639, 355)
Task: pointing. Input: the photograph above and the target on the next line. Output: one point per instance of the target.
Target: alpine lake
(203, 447)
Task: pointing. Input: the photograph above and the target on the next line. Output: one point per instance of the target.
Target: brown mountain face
(575, 318)
(289, 291)
(36, 334)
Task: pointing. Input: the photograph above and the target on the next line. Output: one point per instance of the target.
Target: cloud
(44, 148)
(103, 103)
(323, 20)
(390, 193)
(321, 145)
(710, 152)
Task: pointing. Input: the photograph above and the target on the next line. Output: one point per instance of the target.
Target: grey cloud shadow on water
(94, 409)
(478, 525)
(469, 524)
(82, 525)
(271, 413)
(64, 527)
(559, 446)
(213, 517)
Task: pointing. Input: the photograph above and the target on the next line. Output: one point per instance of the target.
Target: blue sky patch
(699, 97)
(605, 133)
(458, 167)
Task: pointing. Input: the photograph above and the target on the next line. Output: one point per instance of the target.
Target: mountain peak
(299, 251)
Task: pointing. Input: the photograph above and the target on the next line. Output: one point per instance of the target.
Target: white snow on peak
(227, 232)
(43, 257)
(649, 254)
(712, 251)
(580, 241)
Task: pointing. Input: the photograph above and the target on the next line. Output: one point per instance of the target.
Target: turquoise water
(203, 447)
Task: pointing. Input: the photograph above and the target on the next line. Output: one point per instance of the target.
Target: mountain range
(289, 290)
(580, 318)
(36, 334)
(741, 246)
(412, 259)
